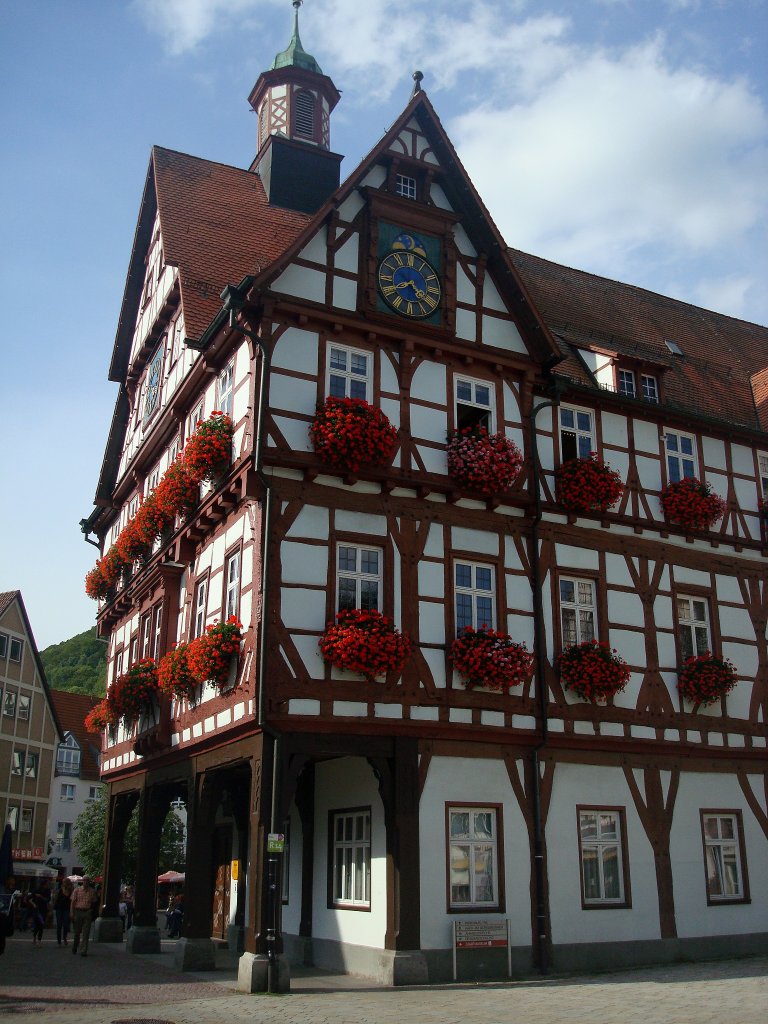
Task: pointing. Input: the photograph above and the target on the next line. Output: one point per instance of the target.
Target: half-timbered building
(605, 833)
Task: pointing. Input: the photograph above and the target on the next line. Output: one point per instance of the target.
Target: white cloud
(184, 24)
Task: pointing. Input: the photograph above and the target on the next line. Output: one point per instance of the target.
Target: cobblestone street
(112, 987)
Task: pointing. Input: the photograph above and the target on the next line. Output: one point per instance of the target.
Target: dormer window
(673, 347)
(405, 186)
(304, 115)
(68, 756)
(625, 380)
(649, 387)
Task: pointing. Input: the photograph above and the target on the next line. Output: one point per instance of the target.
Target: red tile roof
(7, 599)
(71, 709)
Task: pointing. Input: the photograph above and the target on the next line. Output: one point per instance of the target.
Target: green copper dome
(295, 56)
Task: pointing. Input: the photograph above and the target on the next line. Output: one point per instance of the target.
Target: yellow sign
(235, 869)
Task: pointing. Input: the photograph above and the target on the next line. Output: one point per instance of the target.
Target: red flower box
(208, 453)
(593, 671)
(209, 656)
(365, 642)
(692, 504)
(479, 461)
(348, 433)
(133, 691)
(174, 675)
(488, 658)
(704, 679)
(103, 716)
(588, 485)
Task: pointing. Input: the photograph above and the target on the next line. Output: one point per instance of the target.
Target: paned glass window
(626, 383)
(30, 768)
(17, 646)
(25, 824)
(351, 859)
(201, 595)
(578, 610)
(577, 433)
(349, 373)
(23, 708)
(193, 419)
(68, 757)
(681, 456)
(17, 762)
(13, 817)
(9, 704)
(762, 466)
(146, 634)
(474, 404)
(3, 644)
(177, 337)
(93, 794)
(358, 577)
(67, 791)
(405, 186)
(158, 632)
(225, 388)
(232, 597)
(475, 596)
(723, 856)
(64, 835)
(473, 857)
(600, 842)
(693, 626)
(650, 387)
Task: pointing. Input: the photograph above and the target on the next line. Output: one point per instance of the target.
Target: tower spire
(294, 55)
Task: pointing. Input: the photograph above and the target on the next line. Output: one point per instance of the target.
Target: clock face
(409, 284)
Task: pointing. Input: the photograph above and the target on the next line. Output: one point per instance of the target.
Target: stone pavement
(111, 986)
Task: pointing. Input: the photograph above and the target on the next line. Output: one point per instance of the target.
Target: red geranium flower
(348, 433)
(479, 461)
(209, 656)
(692, 504)
(208, 453)
(704, 679)
(593, 670)
(588, 485)
(365, 642)
(174, 675)
(134, 690)
(489, 658)
(103, 716)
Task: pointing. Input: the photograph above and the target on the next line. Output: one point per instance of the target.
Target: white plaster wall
(344, 293)
(466, 326)
(311, 522)
(646, 437)
(347, 256)
(503, 334)
(304, 283)
(576, 558)
(302, 608)
(304, 563)
(316, 248)
(714, 453)
(717, 791)
(295, 350)
(465, 290)
(466, 780)
(592, 786)
(460, 236)
(349, 782)
(480, 541)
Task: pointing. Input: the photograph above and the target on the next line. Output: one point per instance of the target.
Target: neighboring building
(76, 779)
(605, 835)
(29, 734)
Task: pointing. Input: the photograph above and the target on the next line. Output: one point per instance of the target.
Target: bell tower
(293, 102)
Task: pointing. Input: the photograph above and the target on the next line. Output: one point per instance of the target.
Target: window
(152, 385)
(158, 632)
(351, 858)
(17, 762)
(649, 387)
(3, 644)
(626, 383)
(22, 711)
(693, 626)
(762, 468)
(146, 634)
(177, 336)
(200, 605)
(173, 451)
(13, 817)
(67, 791)
(474, 858)
(673, 347)
(474, 404)
(225, 388)
(681, 456)
(30, 770)
(724, 856)
(349, 373)
(64, 835)
(133, 656)
(9, 704)
(405, 186)
(232, 584)
(474, 590)
(17, 646)
(193, 419)
(358, 577)
(578, 610)
(25, 825)
(601, 845)
(304, 115)
(93, 794)
(577, 435)
(68, 757)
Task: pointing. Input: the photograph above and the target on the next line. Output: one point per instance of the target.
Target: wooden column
(119, 811)
(198, 903)
(153, 807)
(258, 826)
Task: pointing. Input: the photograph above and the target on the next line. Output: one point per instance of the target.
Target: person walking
(39, 912)
(81, 906)
(61, 905)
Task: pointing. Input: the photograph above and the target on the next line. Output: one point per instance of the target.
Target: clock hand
(419, 293)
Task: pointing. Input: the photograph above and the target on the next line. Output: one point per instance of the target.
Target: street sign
(275, 842)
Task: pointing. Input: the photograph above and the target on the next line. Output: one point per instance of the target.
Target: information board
(482, 934)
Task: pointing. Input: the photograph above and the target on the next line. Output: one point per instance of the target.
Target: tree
(89, 838)
(78, 664)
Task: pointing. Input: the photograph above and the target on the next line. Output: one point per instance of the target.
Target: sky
(628, 138)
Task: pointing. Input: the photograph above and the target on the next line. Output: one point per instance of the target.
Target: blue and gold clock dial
(409, 284)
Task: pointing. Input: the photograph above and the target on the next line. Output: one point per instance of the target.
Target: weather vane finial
(417, 78)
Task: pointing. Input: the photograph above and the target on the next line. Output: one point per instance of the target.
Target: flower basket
(208, 453)
(134, 690)
(175, 495)
(488, 658)
(96, 587)
(348, 433)
(174, 675)
(365, 642)
(102, 716)
(479, 461)
(588, 485)
(692, 504)
(209, 656)
(704, 679)
(593, 671)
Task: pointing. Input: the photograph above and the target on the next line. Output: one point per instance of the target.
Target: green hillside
(78, 664)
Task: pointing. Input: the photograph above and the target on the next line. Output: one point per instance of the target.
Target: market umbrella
(171, 876)
(6, 856)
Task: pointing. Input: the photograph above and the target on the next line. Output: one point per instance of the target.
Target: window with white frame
(724, 856)
(12, 817)
(351, 857)
(9, 704)
(17, 646)
(25, 822)
(225, 388)
(577, 433)
(173, 451)
(201, 596)
(146, 634)
(158, 632)
(349, 373)
(3, 644)
(602, 860)
(93, 794)
(17, 762)
(474, 404)
(68, 756)
(578, 610)
(23, 707)
(681, 455)
(358, 577)
(177, 336)
(762, 468)
(31, 765)
(405, 186)
(193, 419)
(649, 387)
(475, 595)
(473, 858)
(64, 835)
(625, 381)
(232, 584)
(67, 791)
(693, 626)
(134, 651)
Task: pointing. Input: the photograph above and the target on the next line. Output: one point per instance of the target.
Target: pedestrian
(122, 909)
(81, 906)
(128, 908)
(61, 905)
(39, 913)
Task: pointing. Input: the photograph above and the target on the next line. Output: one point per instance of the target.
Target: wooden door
(222, 865)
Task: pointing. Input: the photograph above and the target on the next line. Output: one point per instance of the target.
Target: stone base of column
(252, 974)
(194, 955)
(143, 939)
(236, 939)
(107, 929)
(409, 967)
